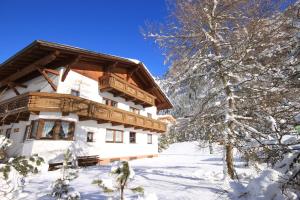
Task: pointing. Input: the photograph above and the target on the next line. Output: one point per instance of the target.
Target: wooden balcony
(85, 109)
(120, 87)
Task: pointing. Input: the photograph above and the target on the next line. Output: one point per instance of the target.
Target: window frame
(27, 133)
(40, 128)
(151, 142)
(77, 92)
(131, 132)
(134, 110)
(87, 136)
(109, 102)
(8, 132)
(114, 136)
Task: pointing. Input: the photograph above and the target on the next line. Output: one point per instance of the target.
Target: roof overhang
(58, 55)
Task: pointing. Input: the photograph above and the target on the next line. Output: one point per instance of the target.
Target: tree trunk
(211, 150)
(122, 193)
(229, 160)
(230, 128)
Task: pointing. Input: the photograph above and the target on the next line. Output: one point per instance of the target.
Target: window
(149, 115)
(90, 137)
(114, 136)
(132, 137)
(8, 131)
(75, 93)
(149, 138)
(109, 135)
(110, 102)
(118, 136)
(134, 110)
(34, 125)
(27, 132)
(52, 129)
(1, 131)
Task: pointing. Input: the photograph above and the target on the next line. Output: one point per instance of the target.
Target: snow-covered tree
(234, 62)
(14, 170)
(61, 188)
(122, 175)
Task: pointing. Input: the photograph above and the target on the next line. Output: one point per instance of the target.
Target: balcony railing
(124, 89)
(85, 109)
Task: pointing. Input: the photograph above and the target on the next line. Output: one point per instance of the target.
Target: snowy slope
(181, 172)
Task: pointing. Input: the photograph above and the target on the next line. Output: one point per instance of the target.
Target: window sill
(114, 142)
(48, 139)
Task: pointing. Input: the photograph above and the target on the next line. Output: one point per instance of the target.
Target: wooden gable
(43, 57)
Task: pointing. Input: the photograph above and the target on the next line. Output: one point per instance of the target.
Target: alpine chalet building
(55, 96)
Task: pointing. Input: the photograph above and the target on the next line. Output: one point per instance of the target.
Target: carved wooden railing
(85, 109)
(13, 105)
(121, 87)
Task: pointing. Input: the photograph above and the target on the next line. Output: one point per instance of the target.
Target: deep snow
(183, 171)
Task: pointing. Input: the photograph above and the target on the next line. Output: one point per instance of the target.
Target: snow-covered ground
(184, 171)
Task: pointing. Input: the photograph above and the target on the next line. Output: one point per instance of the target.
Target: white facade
(53, 149)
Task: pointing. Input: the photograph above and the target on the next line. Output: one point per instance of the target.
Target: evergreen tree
(61, 188)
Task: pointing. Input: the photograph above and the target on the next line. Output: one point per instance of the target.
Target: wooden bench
(84, 161)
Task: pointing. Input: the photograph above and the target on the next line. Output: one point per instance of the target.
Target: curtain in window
(149, 139)
(64, 130)
(118, 136)
(48, 129)
(109, 136)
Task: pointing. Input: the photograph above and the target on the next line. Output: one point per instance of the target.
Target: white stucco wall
(53, 149)
(38, 84)
(89, 89)
(16, 137)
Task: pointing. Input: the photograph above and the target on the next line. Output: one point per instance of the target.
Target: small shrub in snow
(280, 183)
(122, 174)
(61, 188)
(138, 190)
(14, 170)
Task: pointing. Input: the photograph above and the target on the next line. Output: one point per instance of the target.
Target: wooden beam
(44, 74)
(116, 123)
(14, 89)
(131, 72)
(17, 84)
(99, 121)
(68, 68)
(52, 71)
(108, 69)
(30, 68)
(128, 126)
(150, 89)
(65, 113)
(20, 85)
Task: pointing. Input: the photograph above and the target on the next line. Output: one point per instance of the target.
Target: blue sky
(107, 26)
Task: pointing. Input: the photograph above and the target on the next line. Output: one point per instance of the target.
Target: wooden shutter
(40, 128)
(71, 131)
